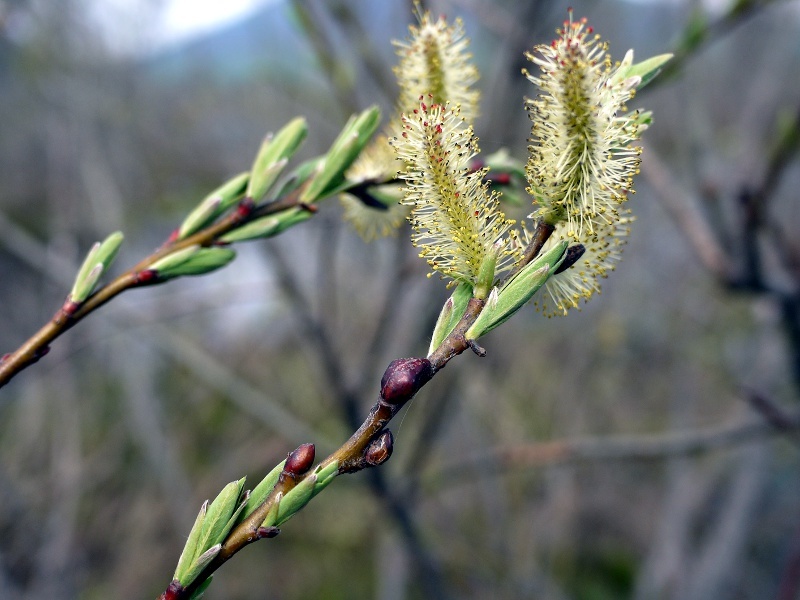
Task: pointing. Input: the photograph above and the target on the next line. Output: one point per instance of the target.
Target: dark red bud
(246, 206)
(174, 590)
(145, 276)
(501, 178)
(380, 449)
(300, 460)
(403, 378)
(69, 307)
(267, 532)
(573, 254)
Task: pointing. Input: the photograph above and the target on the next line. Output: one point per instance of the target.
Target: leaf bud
(403, 378)
(300, 460)
(380, 449)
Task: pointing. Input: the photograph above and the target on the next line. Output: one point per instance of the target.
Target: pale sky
(132, 27)
(186, 18)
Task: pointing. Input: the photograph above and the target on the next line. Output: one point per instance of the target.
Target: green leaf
(272, 514)
(273, 155)
(213, 205)
(190, 550)
(503, 303)
(295, 499)
(329, 173)
(94, 265)
(648, 69)
(200, 563)
(193, 260)
(268, 226)
(325, 475)
(450, 315)
(262, 490)
(219, 514)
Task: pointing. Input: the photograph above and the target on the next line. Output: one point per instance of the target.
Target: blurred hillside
(622, 452)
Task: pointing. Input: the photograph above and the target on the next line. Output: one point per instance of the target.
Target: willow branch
(367, 447)
(39, 344)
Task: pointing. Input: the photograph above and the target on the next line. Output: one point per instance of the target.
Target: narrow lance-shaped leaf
(517, 291)
(94, 265)
(273, 155)
(219, 514)
(213, 205)
(199, 564)
(351, 141)
(645, 70)
(452, 311)
(260, 492)
(190, 550)
(193, 260)
(268, 226)
(295, 499)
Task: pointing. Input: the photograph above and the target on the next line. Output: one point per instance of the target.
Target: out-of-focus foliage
(108, 447)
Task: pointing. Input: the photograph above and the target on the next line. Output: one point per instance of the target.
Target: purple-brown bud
(379, 449)
(299, 461)
(403, 378)
(146, 276)
(174, 590)
(267, 532)
(572, 256)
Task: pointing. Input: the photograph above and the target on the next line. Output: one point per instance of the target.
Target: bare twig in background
(682, 206)
(613, 448)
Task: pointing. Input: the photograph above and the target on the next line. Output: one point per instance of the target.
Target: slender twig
(603, 449)
(350, 457)
(695, 39)
(326, 54)
(322, 344)
(39, 344)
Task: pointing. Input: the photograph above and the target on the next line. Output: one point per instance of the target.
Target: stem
(39, 344)
(350, 457)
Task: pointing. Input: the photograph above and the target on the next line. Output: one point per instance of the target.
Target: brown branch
(367, 447)
(137, 276)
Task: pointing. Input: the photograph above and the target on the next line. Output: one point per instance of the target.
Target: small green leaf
(234, 518)
(262, 490)
(295, 499)
(517, 291)
(213, 205)
(273, 155)
(451, 314)
(272, 514)
(329, 173)
(325, 475)
(190, 550)
(219, 514)
(193, 260)
(485, 277)
(648, 69)
(200, 563)
(94, 265)
(268, 226)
